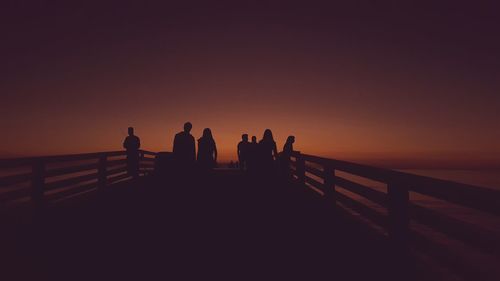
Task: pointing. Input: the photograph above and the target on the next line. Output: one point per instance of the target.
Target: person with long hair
(288, 147)
(207, 151)
(285, 157)
(268, 150)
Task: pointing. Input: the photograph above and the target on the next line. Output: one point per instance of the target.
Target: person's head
(268, 135)
(244, 137)
(254, 139)
(130, 131)
(207, 133)
(187, 127)
(290, 139)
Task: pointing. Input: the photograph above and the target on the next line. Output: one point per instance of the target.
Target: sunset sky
(365, 81)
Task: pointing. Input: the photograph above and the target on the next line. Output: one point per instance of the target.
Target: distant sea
(485, 178)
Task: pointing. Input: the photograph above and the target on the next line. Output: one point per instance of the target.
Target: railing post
(102, 172)
(301, 169)
(329, 178)
(398, 200)
(38, 183)
(141, 159)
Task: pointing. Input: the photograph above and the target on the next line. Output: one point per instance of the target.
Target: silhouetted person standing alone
(207, 151)
(267, 151)
(184, 148)
(132, 143)
(243, 149)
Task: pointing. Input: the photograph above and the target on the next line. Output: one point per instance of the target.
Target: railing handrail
(394, 209)
(19, 161)
(103, 171)
(427, 185)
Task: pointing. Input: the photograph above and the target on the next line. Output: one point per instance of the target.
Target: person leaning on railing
(285, 156)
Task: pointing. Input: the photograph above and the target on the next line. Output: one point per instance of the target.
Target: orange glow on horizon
(348, 85)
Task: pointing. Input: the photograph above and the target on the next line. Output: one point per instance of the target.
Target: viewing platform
(84, 217)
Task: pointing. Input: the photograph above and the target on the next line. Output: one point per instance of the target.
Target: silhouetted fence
(390, 209)
(43, 179)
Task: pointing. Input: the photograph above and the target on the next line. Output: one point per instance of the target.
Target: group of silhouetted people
(253, 156)
(184, 149)
(263, 156)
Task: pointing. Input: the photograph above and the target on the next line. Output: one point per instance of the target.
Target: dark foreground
(223, 226)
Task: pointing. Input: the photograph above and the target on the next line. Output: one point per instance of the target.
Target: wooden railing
(37, 180)
(391, 209)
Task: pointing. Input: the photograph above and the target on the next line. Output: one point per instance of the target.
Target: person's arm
(238, 151)
(125, 143)
(193, 156)
(275, 150)
(215, 153)
(174, 147)
(138, 143)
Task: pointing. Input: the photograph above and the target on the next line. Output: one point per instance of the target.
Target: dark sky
(419, 80)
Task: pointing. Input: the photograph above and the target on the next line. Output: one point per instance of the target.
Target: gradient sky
(368, 81)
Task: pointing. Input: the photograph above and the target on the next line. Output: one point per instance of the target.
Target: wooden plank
(72, 191)
(479, 198)
(145, 152)
(441, 252)
(468, 233)
(117, 162)
(118, 178)
(301, 170)
(70, 181)
(15, 194)
(476, 197)
(70, 170)
(315, 171)
(398, 199)
(362, 209)
(377, 174)
(368, 193)
(314, 183)
(25, 161)
(111, 172)
(15, 179)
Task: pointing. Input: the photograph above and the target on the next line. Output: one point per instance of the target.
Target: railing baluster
(329, 178)
(301, 169)
(398, 200)
(38, 183)
(102, 171)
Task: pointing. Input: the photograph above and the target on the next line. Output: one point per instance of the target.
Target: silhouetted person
(207, 151)
(132, 143)
(285, 156)
(184, 148)
(288, 147)
(243, 149)
(252, 155)
(267, 151)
